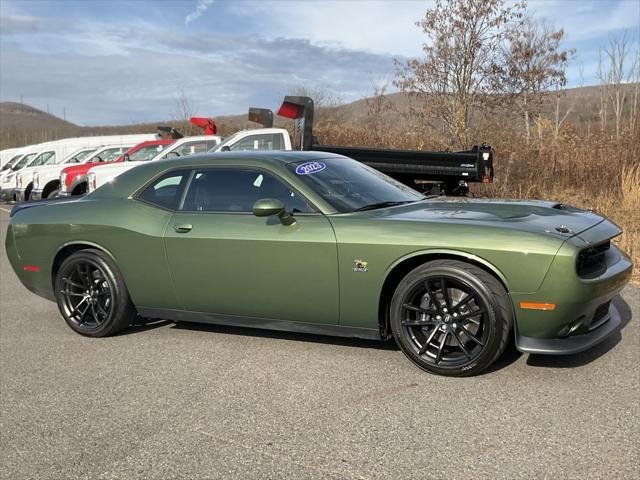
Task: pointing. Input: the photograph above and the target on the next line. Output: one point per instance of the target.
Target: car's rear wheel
(451, 318)
(91, 294)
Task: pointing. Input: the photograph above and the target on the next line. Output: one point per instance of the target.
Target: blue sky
(127, 61)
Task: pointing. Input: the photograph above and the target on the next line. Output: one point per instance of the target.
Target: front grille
(591, 261)
(600, 316)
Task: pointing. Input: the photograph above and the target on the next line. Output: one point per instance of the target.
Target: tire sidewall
(495, 323)
(118, 292)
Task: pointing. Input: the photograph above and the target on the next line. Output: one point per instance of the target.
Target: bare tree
(460, 68)
(377, 105)
(533, 63)
(614, 73)
(184, 109)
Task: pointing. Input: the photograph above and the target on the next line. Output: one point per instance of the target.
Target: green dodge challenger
(320, 243)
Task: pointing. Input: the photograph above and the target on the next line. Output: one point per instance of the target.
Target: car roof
(129, 181)
(280, 157)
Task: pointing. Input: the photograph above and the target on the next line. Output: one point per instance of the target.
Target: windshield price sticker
(310, 167)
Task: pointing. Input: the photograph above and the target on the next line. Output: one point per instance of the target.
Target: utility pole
(21, 102)
(64, 113)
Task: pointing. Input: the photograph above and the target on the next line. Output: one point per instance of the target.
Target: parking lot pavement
(187, 401)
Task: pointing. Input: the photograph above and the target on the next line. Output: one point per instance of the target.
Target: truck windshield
(26, 159)
(80, 155)
(11, 162)
(43, 159)
(348, 185)
(226, 142)
(146, 153)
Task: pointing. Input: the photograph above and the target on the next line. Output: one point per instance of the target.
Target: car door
(224, 260)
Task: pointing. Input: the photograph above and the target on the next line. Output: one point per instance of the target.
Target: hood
(111, 169)
(58, 167)
(533, 216)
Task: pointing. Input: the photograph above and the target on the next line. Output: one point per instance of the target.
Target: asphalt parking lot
(189, 401)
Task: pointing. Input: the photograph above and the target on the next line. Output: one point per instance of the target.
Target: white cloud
(201, 7)
(375, 26)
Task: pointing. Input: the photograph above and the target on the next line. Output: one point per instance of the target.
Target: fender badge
(359, 266)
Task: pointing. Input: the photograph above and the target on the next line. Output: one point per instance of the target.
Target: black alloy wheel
(451, 318)
(87, 294)
(91, 294)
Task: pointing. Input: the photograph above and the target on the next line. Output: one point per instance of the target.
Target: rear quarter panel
(129, 231)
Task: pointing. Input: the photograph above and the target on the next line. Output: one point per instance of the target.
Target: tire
(53, 193)
(92, 296)
(457, 334)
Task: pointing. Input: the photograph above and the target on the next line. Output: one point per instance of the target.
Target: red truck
(73, 179)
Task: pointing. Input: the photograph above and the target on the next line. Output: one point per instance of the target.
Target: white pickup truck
(256, 139)
(46, 179)
(58, 151)
(184, 146)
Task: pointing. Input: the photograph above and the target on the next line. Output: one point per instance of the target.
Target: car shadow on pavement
(282, 335)
(588, 356)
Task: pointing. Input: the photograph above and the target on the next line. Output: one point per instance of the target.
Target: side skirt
(263, 323)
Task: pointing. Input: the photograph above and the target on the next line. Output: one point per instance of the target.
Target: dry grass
(592, 171)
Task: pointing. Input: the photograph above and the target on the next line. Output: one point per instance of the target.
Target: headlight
(63, 182)
(19, 180)
(91, 181)
(36, 180)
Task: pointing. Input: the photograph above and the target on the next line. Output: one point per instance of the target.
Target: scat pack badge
(359, 266)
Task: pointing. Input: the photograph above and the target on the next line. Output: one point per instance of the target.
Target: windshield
(26, 159)
(348, 185)
(106, 155)
(226, 141)
(43, 159)
(11, 162)
(146, 153)
(80, 155)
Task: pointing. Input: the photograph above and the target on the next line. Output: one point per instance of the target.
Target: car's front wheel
(451, 318)
(91, 294)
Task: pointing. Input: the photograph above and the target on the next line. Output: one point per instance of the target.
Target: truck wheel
(92, 296)
(451, 318)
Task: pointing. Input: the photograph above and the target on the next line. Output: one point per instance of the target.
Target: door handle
(183, 227)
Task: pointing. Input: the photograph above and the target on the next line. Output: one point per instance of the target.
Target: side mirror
(125, 157)
(267, 207)
(225, 148)
(173, 154)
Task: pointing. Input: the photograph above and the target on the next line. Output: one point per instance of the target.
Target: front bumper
(574, 343)
(583, 315)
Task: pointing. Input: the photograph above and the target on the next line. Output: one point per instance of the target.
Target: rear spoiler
(263, 116)
(41, 203)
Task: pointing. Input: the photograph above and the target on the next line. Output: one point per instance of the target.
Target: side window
(166, 190)
(235, 190)
(266, 141)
